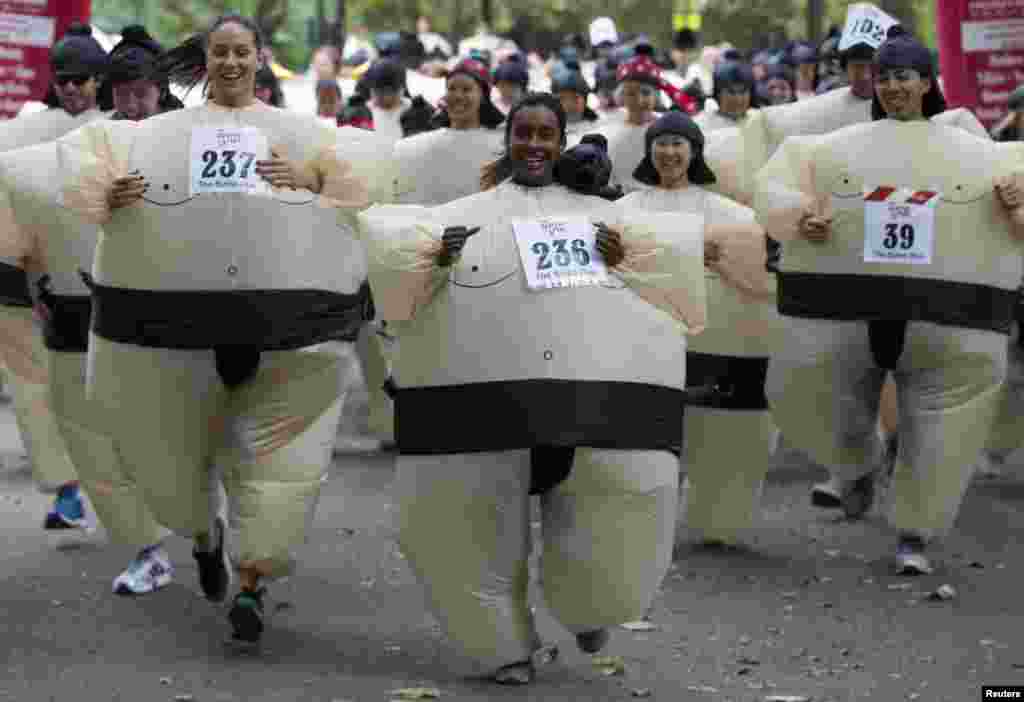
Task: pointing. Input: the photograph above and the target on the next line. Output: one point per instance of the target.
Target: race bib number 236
(559, 253)
(223, 160)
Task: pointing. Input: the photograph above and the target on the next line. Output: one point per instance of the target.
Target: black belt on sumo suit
(236, 324)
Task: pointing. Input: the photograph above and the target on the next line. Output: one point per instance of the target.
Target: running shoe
(148, 572)
(516, 674)
(246, 615)
(214, 569)
(910, 557)
(68, 510)
(858, 496)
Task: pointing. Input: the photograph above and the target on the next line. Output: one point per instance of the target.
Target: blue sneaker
(68, 510)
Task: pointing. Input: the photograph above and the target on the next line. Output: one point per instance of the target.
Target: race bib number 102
(899, 225)
(559, 253)
(223, 160)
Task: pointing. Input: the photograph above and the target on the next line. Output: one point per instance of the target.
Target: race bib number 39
(559, 253)
(899, 225)
(223, 160)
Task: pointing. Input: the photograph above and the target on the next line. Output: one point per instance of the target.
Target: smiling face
(861, 76)
(232, 59)
(734, 100)
(640, 100)
(534, 145)
(779, 91)
(671, 155)
(137, 99)
(901, 92)
(77, 93)
(463, 99)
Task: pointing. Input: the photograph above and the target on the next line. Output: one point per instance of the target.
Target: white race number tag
(865, 24)
(559, 253)
(899, 225)
(223, 160)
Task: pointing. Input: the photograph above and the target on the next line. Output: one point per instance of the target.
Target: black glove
(609, 245)
(452, 242)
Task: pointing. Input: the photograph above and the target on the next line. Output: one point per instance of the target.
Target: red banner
(28, 28)
(981, 48)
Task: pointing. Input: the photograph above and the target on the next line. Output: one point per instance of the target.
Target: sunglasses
(78, 80)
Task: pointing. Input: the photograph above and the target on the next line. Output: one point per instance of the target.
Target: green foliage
(749, 25)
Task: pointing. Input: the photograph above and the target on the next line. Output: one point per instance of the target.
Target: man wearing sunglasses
(78, 64)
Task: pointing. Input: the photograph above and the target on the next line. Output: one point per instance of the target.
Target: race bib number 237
(223, 160)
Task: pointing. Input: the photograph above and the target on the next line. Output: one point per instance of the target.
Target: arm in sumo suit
(18, 327)
(1009, 186)
(409, 256)
(660, 256)
(94, 162)
(784, 196)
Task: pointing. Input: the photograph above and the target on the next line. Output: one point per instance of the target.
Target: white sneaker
(910, 558)
(148, 572)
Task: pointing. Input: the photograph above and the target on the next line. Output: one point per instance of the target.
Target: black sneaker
(592, 641)
(858, 496)
(246, 615)
(214, 571)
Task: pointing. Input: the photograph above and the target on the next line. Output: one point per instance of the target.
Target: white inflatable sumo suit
(23, 354)
(713, 120)
(439, 166)
(626, 148)
(940, 326)
(44, 237)
(201, 303)
(728, 431)
(503, 391)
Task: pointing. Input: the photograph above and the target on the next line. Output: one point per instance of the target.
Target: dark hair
(901, 50)
(732, 72)
(545, 100)
(265, 78)
(417, 118)
(490, 116)
(675, 123)
(185, 64)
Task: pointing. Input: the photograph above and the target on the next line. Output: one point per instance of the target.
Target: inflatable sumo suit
(202, 308)
(728, 430)
(573, 393)
(437, 167)
(44, 237)
(767, 128)
(711, 121)
(371, 156)
(940, 328)
(23, 353)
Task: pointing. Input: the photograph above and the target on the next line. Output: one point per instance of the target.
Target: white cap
(602, 30)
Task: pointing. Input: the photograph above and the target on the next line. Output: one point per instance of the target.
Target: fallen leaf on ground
(641, 692)
(609, 665)
(639, 626)
(416, 693)
(703, 688)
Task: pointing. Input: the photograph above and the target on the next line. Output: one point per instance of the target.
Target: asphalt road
(814, 612)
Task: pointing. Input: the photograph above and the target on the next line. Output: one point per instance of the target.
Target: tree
(748, 25)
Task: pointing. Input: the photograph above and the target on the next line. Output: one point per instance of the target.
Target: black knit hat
(386, 74)
(675, 123)
(78, 53)
(512, 71)
(133, 56)
(901, 50)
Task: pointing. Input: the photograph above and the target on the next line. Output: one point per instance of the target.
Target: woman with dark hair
(877, 277)
(577, 414)
(444, 164)
(735, 95)
(136, 95)
(728, 430)
(511, 80)
(804, 58)
(778, 87)
(200, 341)
(641, 86)
(79, 65)
(573, 90)
(387, 80)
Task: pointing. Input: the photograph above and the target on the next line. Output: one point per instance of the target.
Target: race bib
(559, 253)
(899, 225)
(865, 24)
(223, 160)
